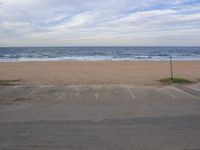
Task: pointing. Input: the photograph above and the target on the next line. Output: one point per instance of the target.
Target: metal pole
(171, 68)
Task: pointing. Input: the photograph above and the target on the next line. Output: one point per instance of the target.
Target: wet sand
(90, 73)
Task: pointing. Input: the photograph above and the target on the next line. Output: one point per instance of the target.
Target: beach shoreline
(97, 72)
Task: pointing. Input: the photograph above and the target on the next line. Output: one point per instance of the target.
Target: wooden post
(171, 68)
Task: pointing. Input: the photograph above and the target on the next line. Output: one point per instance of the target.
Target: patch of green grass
(175, 81)
(8, 82)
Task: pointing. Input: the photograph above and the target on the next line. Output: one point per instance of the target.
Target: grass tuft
(175, 81)
(8, 82)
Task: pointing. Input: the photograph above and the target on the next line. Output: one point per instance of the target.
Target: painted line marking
(188, 91)
(96, 95)
(61, 96)
(130, 92)
(34, 91)
(171, 95)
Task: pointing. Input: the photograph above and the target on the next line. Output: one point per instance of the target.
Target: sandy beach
(89, 73)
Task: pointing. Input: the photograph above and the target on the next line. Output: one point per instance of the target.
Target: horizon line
(101, 46)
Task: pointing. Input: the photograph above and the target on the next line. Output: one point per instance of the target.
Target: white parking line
(61, 96)
(7, 88)
(171, 95)
(34, 91)
(131, 93)
(187, 92)
(96, 95)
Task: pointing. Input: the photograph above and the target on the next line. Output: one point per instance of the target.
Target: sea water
(10, 54)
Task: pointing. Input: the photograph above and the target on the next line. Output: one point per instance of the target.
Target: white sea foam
(98, 59)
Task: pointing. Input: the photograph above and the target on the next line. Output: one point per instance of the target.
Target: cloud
(94, 22)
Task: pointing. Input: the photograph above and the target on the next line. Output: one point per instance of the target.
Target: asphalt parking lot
(100, 117)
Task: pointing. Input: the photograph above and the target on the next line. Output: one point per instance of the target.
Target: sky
(99, 22)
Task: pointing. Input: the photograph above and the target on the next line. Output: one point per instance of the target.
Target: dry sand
(82, 72)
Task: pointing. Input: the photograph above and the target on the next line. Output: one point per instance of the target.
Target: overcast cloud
(99, 22)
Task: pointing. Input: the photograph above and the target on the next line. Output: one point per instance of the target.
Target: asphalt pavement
(100, 117)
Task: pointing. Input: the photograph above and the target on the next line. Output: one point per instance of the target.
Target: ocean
(13, 54)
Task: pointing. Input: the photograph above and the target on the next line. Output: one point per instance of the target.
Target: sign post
(171, 68)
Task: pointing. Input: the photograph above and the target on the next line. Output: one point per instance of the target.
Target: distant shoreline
(40, 61)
